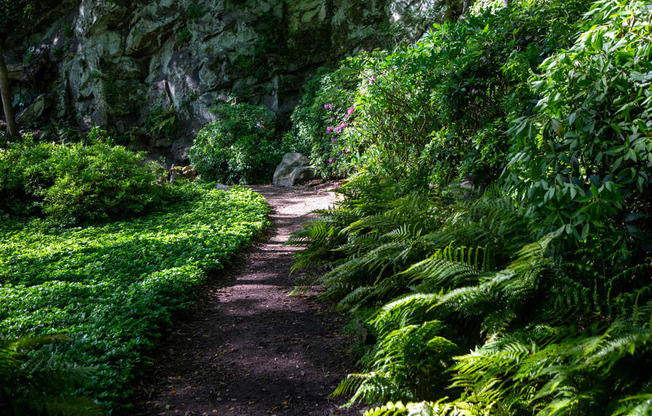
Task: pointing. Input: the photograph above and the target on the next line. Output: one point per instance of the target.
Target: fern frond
(442, 270)
(639, 405)
(70, 406)
(33, 380)
(411, 409)
(407, 310)
(355, 297)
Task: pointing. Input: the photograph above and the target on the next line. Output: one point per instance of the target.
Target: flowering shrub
(437, 110)
(320, 122)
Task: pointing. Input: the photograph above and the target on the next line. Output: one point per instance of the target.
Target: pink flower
(350, 111)
(339, 128)
(372, 79)
(329, 130)
(333, 140)
(347, 150)
(328, 106)
(331, 160)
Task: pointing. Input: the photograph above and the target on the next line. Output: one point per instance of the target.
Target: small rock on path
(248, 348)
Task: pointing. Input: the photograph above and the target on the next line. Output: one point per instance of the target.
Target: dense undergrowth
(240, 147)
(97, 254)
(495, 234)
(78, 182)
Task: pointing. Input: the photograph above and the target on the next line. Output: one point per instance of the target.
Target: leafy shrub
(323, 108)
(161, 122)
(239, 147)
(437, 110)
(583, 161)
(74, 183)
(545, 282)
(112, 288)
(183, 38)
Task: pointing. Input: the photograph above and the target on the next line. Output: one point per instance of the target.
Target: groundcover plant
(112, 288)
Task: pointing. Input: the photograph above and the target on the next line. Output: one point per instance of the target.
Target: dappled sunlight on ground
(250, 349)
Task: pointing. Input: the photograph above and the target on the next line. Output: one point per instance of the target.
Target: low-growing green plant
(183, 38)
(239, 147)
(544, 332)
(160, 121)
(112, 288)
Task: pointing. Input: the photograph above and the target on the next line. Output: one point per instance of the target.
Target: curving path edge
(248, 348)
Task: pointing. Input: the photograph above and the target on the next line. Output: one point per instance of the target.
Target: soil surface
(248, 348)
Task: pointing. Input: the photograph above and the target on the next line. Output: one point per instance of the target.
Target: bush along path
(249, 348)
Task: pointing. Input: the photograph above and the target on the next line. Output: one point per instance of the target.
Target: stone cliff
(113, 63)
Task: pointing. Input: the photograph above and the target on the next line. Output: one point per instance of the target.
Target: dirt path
(248, 348)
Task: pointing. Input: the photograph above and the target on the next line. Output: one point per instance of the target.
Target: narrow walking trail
(248, 348)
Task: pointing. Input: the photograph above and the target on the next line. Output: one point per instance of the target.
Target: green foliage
(29, 55)
(32, 381)
(583, 161)
(545, 281)
(416, 244)
(112, 288)
(436, 110)
(409, 363)
(61, 131)
(324, 107)
(239, 147)
(76, 183)
(183, 38)
(446, 278)
(194, 12)
(161, 122)
(111, 92)
(268, 53)
(25, 98)
(13, 14)
(68, 31)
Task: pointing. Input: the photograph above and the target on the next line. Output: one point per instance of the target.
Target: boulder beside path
(293, 168)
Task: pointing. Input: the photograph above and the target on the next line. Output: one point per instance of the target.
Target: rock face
(116, 62)
(31, 114)
(293, 168)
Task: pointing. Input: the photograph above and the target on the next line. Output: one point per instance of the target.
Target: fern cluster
(547, 333)
(34, 382)
(533, 297)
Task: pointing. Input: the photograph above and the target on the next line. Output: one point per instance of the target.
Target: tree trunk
(449, 10)
(6, 97)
